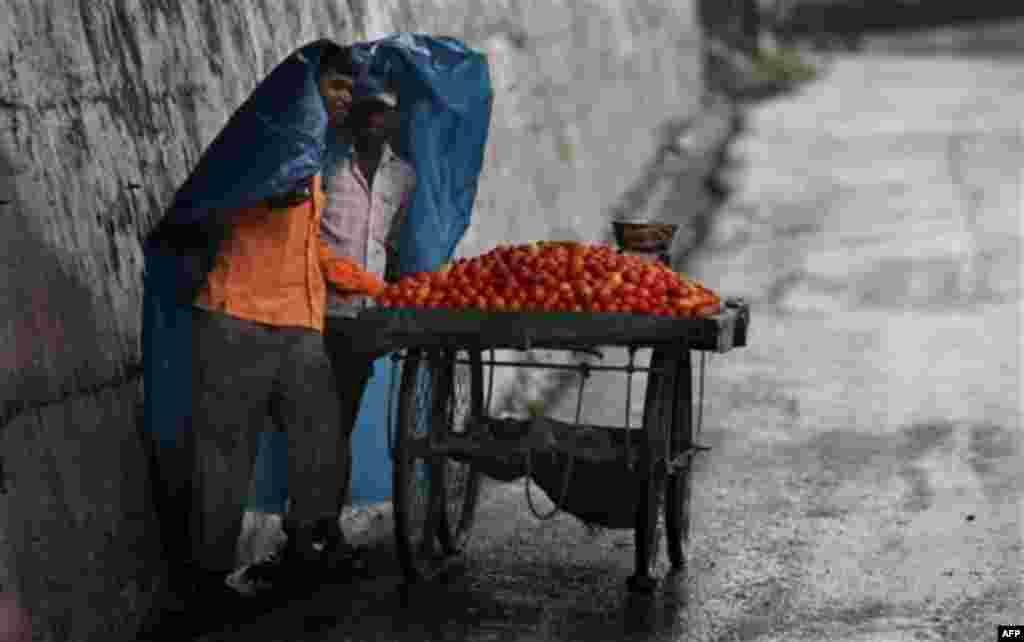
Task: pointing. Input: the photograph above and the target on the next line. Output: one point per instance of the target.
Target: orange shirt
(273, 268)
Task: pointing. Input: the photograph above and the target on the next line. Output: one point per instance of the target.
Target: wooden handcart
(442, 439)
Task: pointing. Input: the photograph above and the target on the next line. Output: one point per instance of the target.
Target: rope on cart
(565, 487)
(584, 375)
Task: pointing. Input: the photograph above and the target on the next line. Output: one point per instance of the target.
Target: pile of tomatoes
(555, 277)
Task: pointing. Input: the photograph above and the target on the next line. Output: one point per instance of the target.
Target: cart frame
(436, 468)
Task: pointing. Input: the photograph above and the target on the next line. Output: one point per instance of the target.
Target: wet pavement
(865, 482)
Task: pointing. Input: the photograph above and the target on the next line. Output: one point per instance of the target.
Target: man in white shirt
(368, 195)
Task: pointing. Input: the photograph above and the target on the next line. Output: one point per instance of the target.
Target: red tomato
(554, 276)
(708, 309)
(684, 305)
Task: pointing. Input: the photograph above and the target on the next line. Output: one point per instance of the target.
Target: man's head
(337, 81)
(374, 118)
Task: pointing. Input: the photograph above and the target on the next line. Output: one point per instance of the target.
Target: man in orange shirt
(257, 327)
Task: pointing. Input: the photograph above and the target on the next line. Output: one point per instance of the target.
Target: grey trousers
(246, 371)
(345, 342)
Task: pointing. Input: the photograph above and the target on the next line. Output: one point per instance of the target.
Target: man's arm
(345, 275)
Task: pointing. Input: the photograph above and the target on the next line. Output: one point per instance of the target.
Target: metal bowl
(644, 237)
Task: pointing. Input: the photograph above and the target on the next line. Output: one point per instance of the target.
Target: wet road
(865, 480)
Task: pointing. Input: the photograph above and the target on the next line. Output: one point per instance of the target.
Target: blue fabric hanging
(275, 139)
(444, 98)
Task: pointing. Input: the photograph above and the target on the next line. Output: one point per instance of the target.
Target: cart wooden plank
(396, 328)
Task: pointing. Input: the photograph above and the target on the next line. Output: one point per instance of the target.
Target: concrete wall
(104, 107)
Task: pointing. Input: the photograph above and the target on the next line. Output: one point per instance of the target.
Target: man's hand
(346, 296)
(346, 275)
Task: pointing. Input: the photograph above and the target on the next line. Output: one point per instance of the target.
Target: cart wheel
(679, 483)
(652, 484)
(461, 386)
(416, 477)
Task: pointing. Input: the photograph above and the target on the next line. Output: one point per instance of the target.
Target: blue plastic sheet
(277, 138)
(444, 97)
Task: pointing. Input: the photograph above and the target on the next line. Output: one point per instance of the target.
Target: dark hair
(337, 59)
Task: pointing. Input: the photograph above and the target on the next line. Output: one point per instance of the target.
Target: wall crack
(11, 410)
